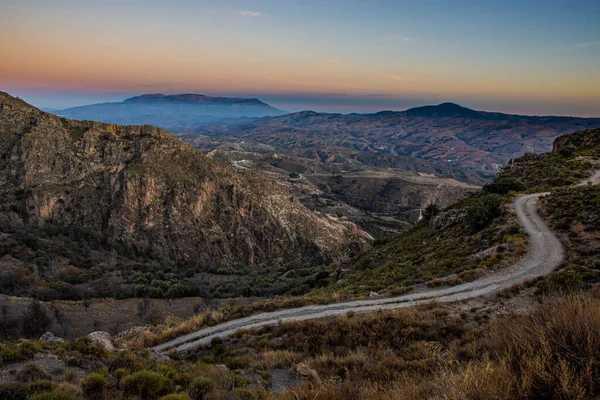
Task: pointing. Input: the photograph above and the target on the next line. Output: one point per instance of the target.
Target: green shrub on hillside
(147, 385)
(483, 210)
(93, 386)
(55, 395)
(504, 185)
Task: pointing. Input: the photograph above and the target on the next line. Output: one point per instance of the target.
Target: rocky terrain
(453, 141)
(146, 195)
(178, 113)
(382, 200)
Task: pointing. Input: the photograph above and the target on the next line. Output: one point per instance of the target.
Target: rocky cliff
(140, 187)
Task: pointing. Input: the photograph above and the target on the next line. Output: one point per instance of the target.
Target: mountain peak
(447, 109)
(177, 112)
(192, 98)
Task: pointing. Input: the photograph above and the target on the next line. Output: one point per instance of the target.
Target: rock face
(139, 187)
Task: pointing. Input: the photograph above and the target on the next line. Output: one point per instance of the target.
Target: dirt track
(545, 253)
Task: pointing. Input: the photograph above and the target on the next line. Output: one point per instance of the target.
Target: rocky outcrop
(448, 219)
(102, 339)
(49, 337)
(139, 187)
(579, 140)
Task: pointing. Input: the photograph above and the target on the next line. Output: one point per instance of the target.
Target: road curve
(545, 253)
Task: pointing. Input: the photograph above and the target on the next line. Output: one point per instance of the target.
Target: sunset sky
(526, 56)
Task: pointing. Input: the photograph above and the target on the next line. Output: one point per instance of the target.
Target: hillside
(480, 234)
(131, 193)
(455, 141)
(526, 342)
(178, 113)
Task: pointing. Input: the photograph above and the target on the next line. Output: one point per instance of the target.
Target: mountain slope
(449, 136)
(480, 233)
(182, 112)
(140, 188)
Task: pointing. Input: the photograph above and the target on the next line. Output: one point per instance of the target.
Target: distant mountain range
(456, 141)
(178, 113)
(462, 143)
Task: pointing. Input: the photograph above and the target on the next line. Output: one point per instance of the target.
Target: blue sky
(536, 57)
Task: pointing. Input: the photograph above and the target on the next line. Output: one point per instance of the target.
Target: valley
(299, 200)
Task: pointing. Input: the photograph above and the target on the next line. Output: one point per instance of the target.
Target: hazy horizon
(54, 101)
(530, 57)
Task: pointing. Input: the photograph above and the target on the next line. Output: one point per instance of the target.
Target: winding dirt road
(545, 253)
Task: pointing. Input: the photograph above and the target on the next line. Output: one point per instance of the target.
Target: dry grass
(552, 353)
(174, 327)
(276, 359)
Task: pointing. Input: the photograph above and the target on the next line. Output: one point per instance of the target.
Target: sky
(537, 57)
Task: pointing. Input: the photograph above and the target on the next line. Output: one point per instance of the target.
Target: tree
(430, 211)
(86, 303)
(504, 185)
(36, 319)
(483, 210)
(143, 307)
(62, 319)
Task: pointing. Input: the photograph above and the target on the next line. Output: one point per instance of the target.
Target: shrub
(31, 373)
(41, 386)
(430, 211)
(127, 360)
(36, 319)
(147, 384)
(93, 385)
(19, 352)
(71, 376)
(504, 185)
(200, 387)
(120, 373)
(176, 396)
(13, 391)
(84, 345)
(483, 210)
(55, 395)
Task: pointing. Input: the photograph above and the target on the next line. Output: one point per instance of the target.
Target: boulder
(159, 357)
(304, 370)
(102, 339)
(49, 337)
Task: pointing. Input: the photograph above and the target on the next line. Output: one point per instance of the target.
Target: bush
(36, 320)
(147, 385)
(31, 373)
(120, 373)
(200, 387)
(41, 386)
(93, 385)
(56, 395)
(13, 391)
(71, 376)
(176, 396)
(430, 211)
(84, 345)
(483, 210)
(504, 185)
(19, 352)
